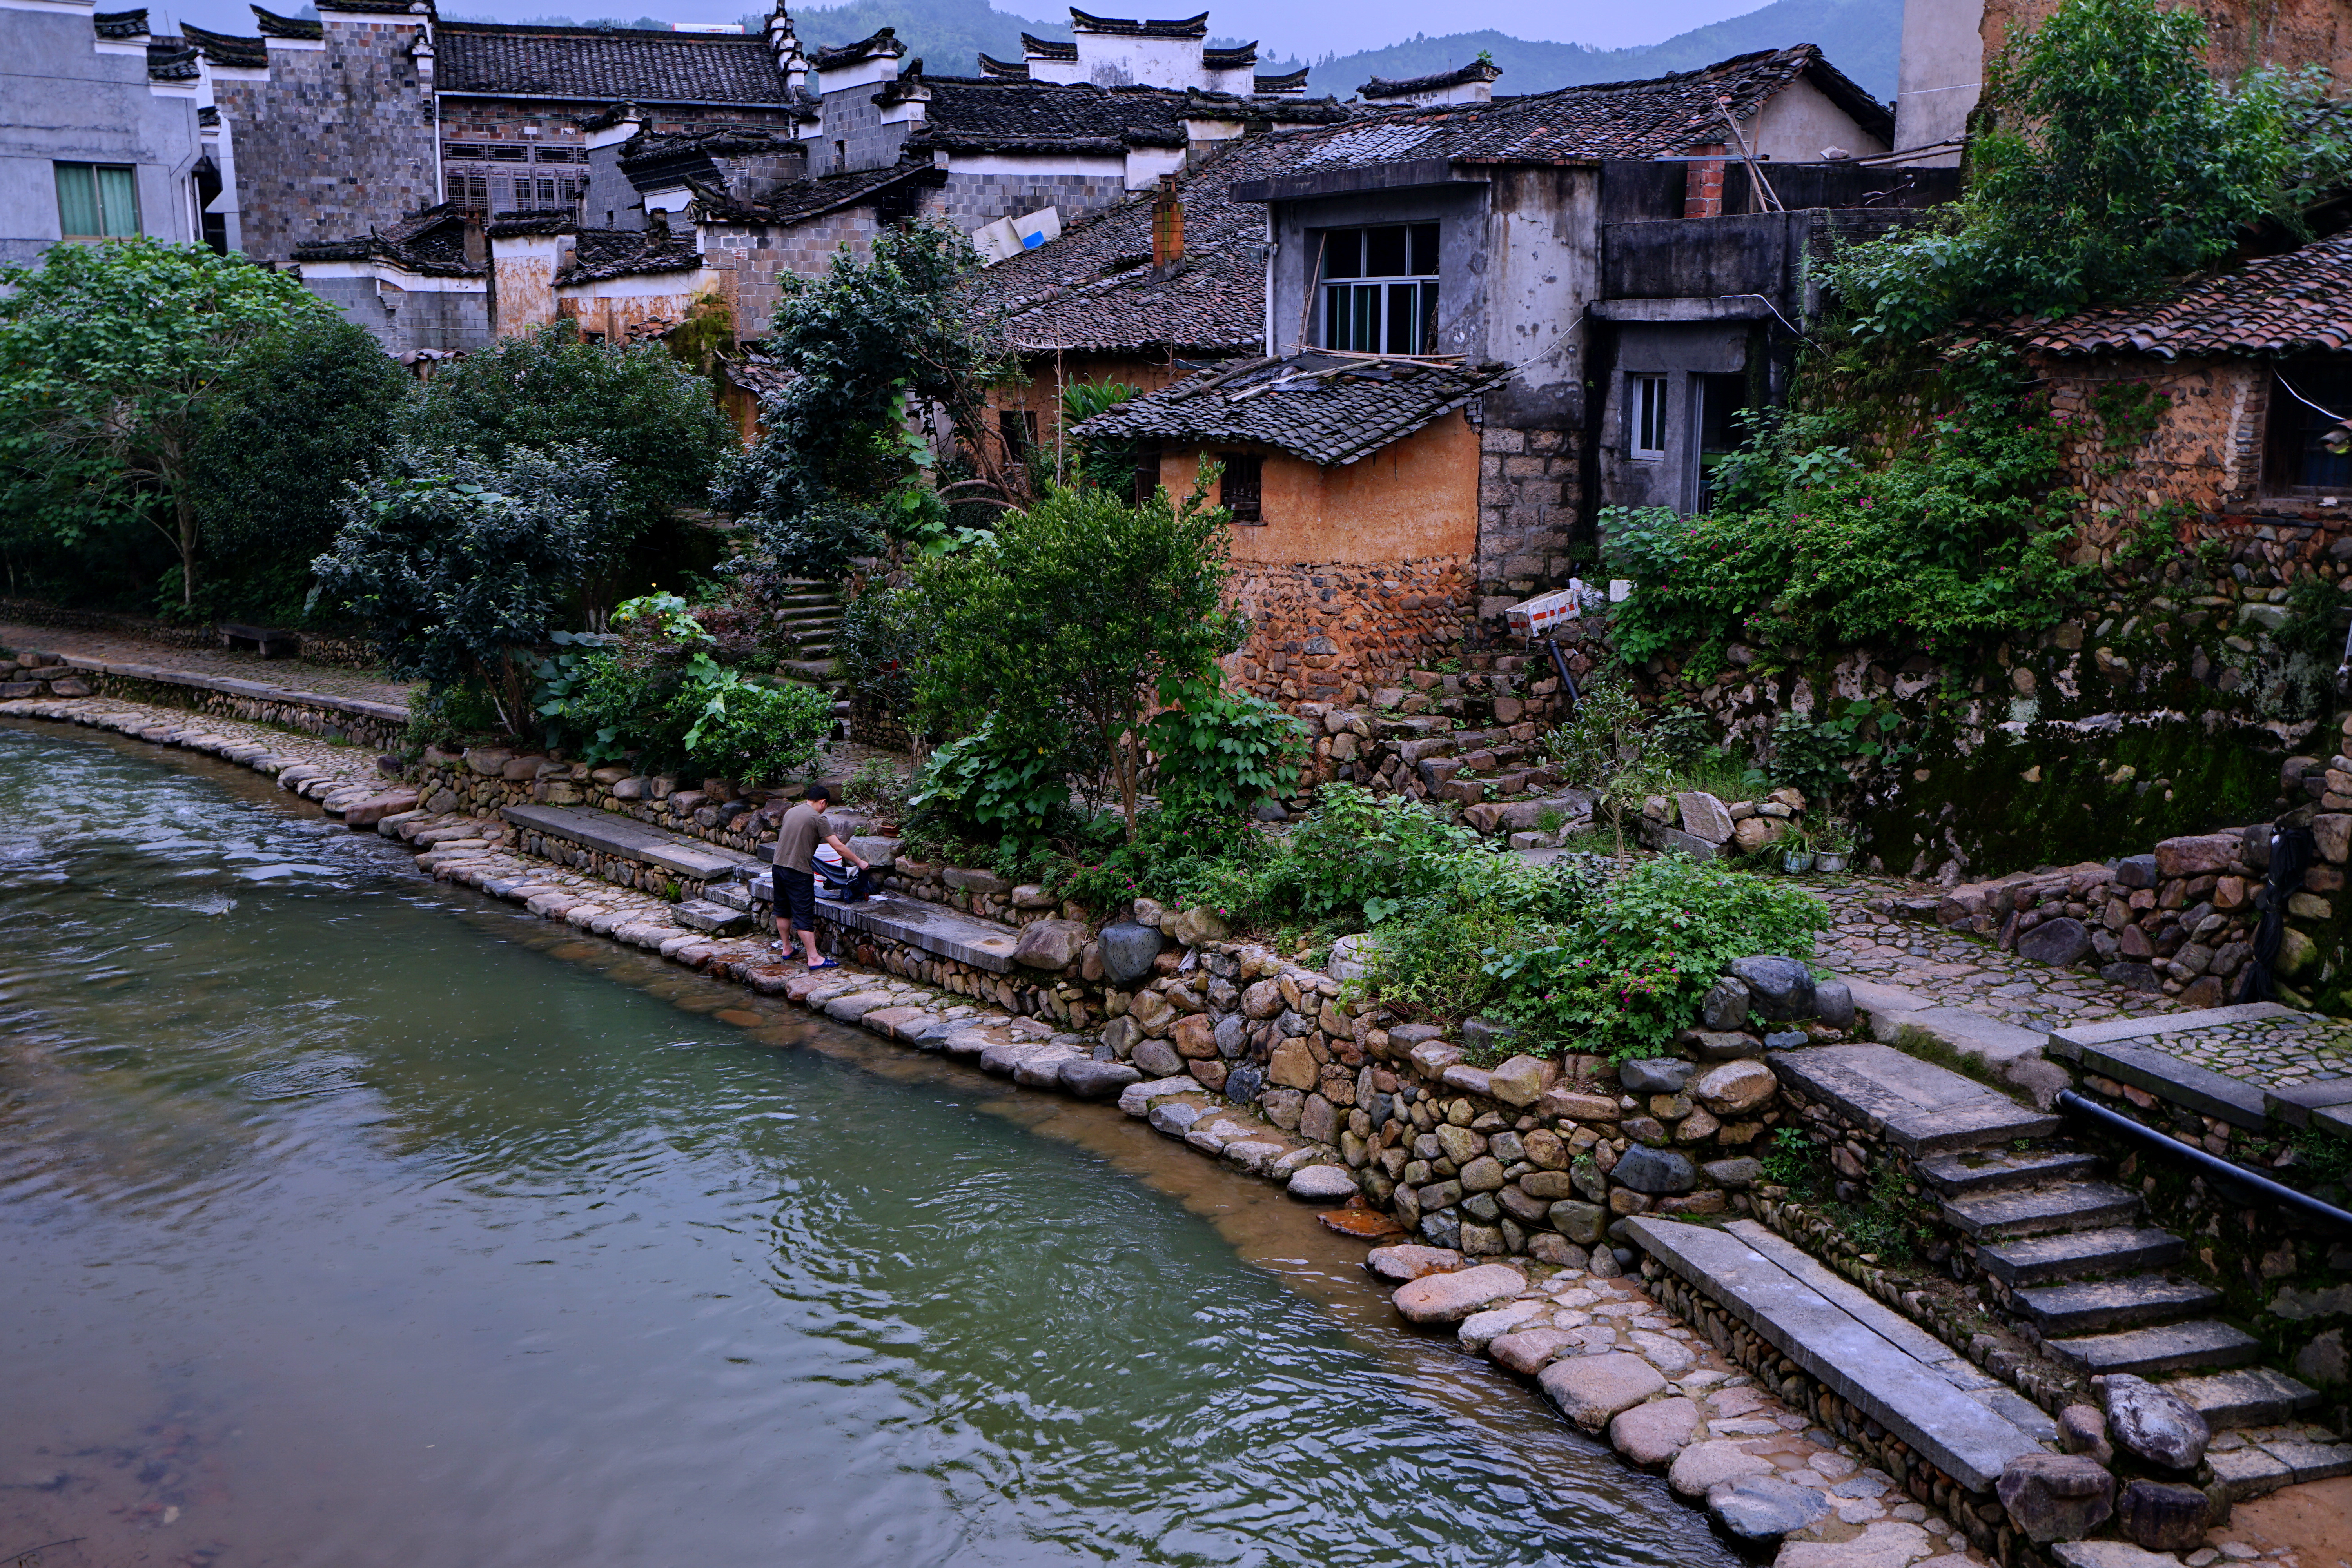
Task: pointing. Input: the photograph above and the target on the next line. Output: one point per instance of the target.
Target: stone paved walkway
(1959, 969)
(294, 674)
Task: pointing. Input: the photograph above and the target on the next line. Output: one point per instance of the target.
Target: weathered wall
(2245, 33)
(337, 141)
(748, 260)
(1334, 632)
(2203, 453)
(455, 313)
(980, 190)
(667, 299)
(1801, 122)
(1413, 498)
(1942, 68)
(1040, 394)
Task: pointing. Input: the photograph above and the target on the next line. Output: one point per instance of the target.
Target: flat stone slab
(934, 928)
(1918, 1107)
(1903, 1394)
(2040, 1259)
(632, 840)
(2115, 1029)
(2297, 1104)
(2246, 1397)
(2168, 1077)
(2089, 1304)
(2066, 1205)
(1997, 1170)
(2168, 1347)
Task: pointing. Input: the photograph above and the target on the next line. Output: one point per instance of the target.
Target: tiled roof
(804, 199)
(222, 49)
(1293, 82)
(1476, 70)
(978, 114)
(1190, 28)
(1004, 71)
(2297, 303)
(372, 7)
(602, 253)
(430, 240)
(646, 148)
(1657, 117)
(1329, 409)
(533, 220)
(884, 43)
(1094, 288)
(1049, 48)
(274, 26)
(594, 65)
(168, 59)
(120, 24)
(1231, 60)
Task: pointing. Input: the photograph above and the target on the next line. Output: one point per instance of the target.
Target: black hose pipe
(2218, 1170)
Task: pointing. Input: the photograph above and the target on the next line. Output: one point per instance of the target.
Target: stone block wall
(1526, 514)
(1336, 633)
(751, 259)
(969, 200)
(336, 142)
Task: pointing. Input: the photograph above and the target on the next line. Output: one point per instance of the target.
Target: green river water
(349, 1219)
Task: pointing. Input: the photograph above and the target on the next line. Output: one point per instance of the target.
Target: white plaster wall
(1941, 73)
(1117, 61)
(1799, 121)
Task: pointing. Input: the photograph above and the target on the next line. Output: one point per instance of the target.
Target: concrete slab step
(2246, 1397)
(2094, 1304)
(1877, 1371)
(2170, 1347)
(2080, 1255)
(1994, 1169)
(2041, 1211)
(1920, 1108)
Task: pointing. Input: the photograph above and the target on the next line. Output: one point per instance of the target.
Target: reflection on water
(344, 1219)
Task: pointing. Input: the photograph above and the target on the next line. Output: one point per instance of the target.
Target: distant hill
(1862, 39)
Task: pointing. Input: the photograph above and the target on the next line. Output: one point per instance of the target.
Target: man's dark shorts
(796, 896)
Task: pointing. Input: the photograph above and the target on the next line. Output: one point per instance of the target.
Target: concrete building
(102, 132)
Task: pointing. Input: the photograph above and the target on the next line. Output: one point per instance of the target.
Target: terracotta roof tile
(2295, 303)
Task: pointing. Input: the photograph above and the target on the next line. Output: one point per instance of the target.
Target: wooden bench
(263, 640)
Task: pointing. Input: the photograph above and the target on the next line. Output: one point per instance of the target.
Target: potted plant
(1796, 850)
(1833, 844)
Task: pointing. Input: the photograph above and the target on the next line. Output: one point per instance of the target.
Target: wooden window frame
(1240, 490)
(2289, 417)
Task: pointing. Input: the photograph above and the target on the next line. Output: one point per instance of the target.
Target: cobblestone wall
(1335, 632)
(1527, 508)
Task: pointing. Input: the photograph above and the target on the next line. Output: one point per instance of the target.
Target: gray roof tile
(1329, 409)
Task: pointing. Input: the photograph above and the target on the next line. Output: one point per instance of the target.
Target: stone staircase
(811, 613)
(2068, 1255)
(1496, 775)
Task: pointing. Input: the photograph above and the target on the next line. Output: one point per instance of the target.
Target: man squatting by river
(805, 826)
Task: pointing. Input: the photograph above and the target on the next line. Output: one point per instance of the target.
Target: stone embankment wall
(33, 673)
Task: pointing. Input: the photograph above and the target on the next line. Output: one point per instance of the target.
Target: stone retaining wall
(324, 717)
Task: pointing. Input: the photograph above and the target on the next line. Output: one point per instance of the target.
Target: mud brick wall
(1335, 632)
(338, 141)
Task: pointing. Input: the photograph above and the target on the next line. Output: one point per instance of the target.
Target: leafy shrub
(1607, 746)
(989, 785)
(1357, 857)
(745, 730)
(1221, 752)
(1960, 535)
(457, 566)
(1631, 968)
(884, 638)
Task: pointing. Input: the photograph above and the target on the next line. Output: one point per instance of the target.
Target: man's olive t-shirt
(803, 830)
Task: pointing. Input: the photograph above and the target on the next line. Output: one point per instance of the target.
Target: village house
(103, 134)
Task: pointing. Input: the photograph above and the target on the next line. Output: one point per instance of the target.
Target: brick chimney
(1703, 181)
(1167, 225)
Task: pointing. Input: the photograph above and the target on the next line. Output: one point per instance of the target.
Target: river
(350, 1219)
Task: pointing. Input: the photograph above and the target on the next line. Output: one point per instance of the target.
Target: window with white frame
(1645, 415)
(1380, 289)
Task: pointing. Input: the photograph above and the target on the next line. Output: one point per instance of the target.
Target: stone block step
(2246, 1397)
(2040, 1211)
(1918, 1107)
(1995, 1170)
(2080, 1255)
(934, 928)
(2092, 1304)
(2129, 1050)
(2170, 1347)
(630, 839)
(1872, 1357)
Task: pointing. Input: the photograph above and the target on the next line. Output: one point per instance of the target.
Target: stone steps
(2245, 1396)
(1916, 1106)
(2080, 1254)
(2041, 1211)
(2126, 1302)
(2168, 1347)
(1997, 1170)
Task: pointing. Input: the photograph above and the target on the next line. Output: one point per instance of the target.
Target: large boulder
(1657, 1172)
(1450, 1297)
(1090, 1079)
(1704, 816)
(2153, 1422)
(1726, 1004)
(1591, 1389)
(1190, 928)
(2056, 1497)
(2057, 942)
(1050, 944)
(1735, 1088)
(2163, 1516)
(1655, 1075)
(1127, 949)
(1780, 989)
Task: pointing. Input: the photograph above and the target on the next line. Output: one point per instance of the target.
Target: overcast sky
(1293, 27)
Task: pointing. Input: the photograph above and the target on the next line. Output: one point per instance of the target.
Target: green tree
(652, 420)
(108, 354)
(1606, 746)
(299, 415)
(459, 567)
(866, 342)
(1084, 611)
(2112, 161)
